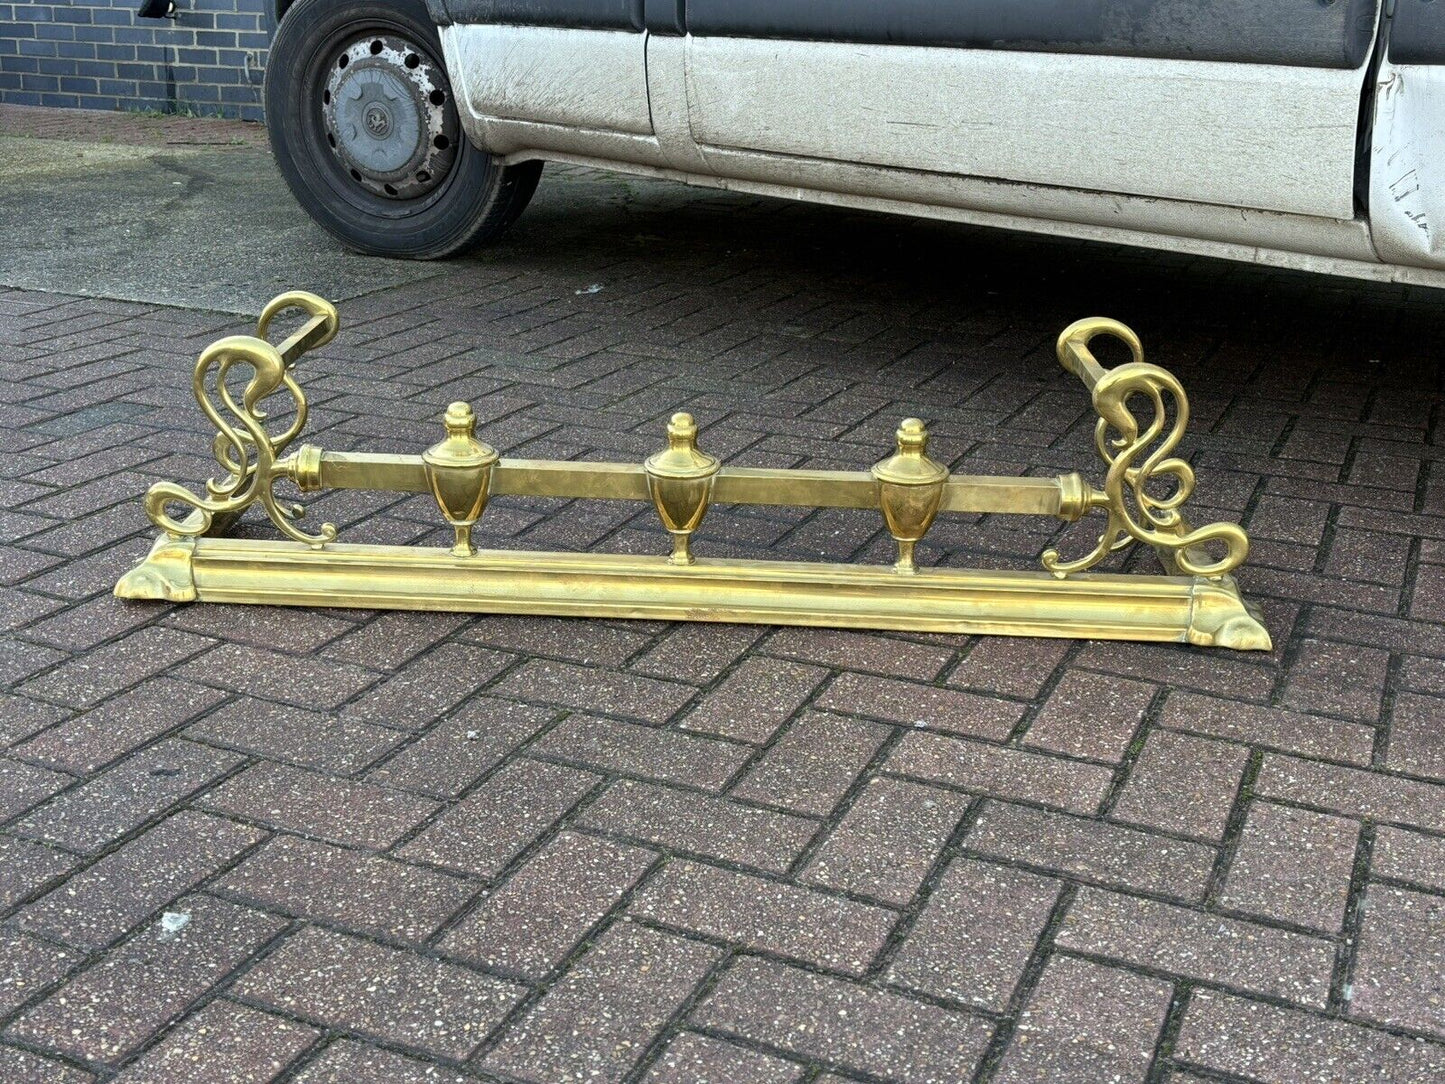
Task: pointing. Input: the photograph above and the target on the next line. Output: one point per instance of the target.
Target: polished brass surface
(1140, 456)
(1095, 605)
(1064, 497)
(679, 480)
(1144, 490)
(459, 474)
(248, 454)
(910, 490)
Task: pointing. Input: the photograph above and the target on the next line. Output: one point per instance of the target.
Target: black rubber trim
(1303, 33)
(581, 14)
(1417, 32)
(665, 16)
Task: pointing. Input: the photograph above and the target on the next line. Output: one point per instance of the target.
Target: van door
(1244, 103)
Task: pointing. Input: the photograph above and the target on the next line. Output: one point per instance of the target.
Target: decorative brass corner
(1222, 618)
(164, 575)
(1144, 490)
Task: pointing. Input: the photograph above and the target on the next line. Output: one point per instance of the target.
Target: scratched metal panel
(1407, 164)
(1247, 135)
(592, 79)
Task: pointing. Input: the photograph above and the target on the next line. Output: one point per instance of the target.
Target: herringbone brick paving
(313, 846)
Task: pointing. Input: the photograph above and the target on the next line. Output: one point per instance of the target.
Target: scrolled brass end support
(910, 490)
(247, 451)
(319, 330)
(459, 471)
(1137, 450)
(1075, 356)
(680, 480)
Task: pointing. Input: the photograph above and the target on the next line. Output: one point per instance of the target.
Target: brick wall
(96, 54)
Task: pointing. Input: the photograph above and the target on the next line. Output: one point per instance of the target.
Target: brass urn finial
(910, 489)
(680, 481)
(459, 420)
(459, 471)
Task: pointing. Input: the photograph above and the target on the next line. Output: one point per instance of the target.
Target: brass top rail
(1065, 496)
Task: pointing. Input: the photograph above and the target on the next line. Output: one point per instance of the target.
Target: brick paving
(331, 846)
(145, 129)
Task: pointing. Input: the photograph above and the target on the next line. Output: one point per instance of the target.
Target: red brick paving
(91, 126)
(429, 847)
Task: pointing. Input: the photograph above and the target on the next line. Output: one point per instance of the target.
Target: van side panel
(1263, 136)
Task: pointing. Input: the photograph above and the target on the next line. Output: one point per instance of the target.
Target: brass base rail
(1198, 603)
(1165, 609)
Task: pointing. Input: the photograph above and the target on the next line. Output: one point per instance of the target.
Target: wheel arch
(435, 8)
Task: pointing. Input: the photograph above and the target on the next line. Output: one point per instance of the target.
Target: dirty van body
(1294, 133)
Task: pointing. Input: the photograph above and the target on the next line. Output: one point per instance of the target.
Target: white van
(1300, 133)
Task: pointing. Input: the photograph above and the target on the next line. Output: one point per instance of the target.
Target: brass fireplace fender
(1197, 601)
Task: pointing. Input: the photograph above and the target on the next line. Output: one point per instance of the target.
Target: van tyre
(365, 130)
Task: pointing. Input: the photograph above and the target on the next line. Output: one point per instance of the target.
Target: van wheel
(365, 131)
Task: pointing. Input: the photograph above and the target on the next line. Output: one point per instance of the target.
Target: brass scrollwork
(246, 451)
(1139, 456)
